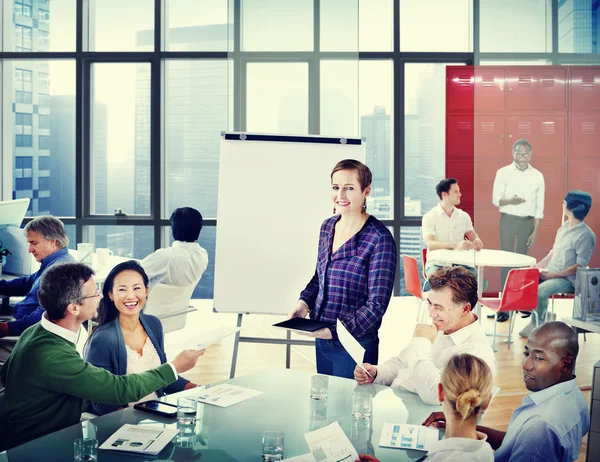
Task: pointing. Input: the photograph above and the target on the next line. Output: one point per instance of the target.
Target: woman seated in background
(465, 391)
(126, 340)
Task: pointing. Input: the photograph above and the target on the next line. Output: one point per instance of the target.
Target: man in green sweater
(45, 378)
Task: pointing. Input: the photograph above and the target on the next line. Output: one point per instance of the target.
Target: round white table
(479, 260)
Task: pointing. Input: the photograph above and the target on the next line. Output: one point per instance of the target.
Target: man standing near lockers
(519, 195)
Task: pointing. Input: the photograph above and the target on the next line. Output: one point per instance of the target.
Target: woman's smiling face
(129, 293)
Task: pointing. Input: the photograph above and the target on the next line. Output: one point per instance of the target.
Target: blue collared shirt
(28, 311)
(574, 245)
(549, 426)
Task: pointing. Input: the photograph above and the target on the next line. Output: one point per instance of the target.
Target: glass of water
(186, 413)
(319, 387)
(85, 449)
(272, 446)
(362, 404)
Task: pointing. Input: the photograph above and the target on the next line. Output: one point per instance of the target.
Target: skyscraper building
(375, 127)
(196, 112)
(31, 105)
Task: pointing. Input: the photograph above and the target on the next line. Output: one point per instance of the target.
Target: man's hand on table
(436, 420)
(362, 377)
(464, 245)
(428, 331)
(367, 458)
(478, 244)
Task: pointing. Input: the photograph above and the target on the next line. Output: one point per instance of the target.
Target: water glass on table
(362, 404)
(319, 387)
(85, 449)
(186, 414)
(272, 446)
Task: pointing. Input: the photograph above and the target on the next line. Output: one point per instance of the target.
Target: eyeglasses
(520, 154)
(97, 294)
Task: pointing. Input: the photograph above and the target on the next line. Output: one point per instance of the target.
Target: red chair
(424, 261)
(412, 280)
(520, 294)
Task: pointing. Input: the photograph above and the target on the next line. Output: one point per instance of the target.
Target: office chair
(170, 304)
(520, 294)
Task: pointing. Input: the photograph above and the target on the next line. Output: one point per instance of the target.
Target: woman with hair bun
(465, 391)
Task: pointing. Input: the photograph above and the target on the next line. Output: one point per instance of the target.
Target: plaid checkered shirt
(355, 283)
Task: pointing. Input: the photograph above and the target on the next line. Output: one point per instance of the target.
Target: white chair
(170, 304)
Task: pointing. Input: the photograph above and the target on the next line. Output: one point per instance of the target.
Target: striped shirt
(549, 426)
(355, 283)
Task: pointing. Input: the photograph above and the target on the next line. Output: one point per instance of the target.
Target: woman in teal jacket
(127, 340)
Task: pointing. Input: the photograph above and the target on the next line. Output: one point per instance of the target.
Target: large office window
(43, 128)
(277, 98)
(120, 138)
(140, 135)
(116, 25)
(196, 109)
(431, 25)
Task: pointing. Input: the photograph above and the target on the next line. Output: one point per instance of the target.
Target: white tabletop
(483, 257)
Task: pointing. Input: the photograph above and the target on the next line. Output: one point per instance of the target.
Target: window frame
(158, 57)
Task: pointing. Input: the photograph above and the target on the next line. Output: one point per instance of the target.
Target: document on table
(354, 349)
(210, 337)
(330, 443)
(308, 457)
(225, 395)
(404, 436)
(140, 439)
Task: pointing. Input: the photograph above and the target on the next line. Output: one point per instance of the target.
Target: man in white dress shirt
(519, 195)
(447, 227)
(184, 262)
(455, 330)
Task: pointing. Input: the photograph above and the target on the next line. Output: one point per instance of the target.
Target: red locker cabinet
(459, 88)
(459, 136)
(490, 137)
(536, 88)
(584, 139)
(490, 85)
(584, 85)
(485, 174)
(545, 133)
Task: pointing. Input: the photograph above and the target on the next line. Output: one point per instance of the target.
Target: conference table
(234, 433)
(479, 259)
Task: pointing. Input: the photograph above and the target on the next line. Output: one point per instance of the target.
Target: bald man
(553, 419)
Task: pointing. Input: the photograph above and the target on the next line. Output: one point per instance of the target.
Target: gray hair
(522, 142)
(50, 228)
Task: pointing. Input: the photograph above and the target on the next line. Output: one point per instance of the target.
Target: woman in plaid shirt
(354, 277)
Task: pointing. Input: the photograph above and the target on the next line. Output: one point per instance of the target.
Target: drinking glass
(362, 404)
(186, 414)
(85, 449)
(319, 387)
(272, 446)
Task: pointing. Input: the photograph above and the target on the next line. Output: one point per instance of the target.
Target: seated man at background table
(184, 262)
(573, 248)
(447, 227)
(48, 243)
(554, 418)
(455, 330)
(46, 380)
